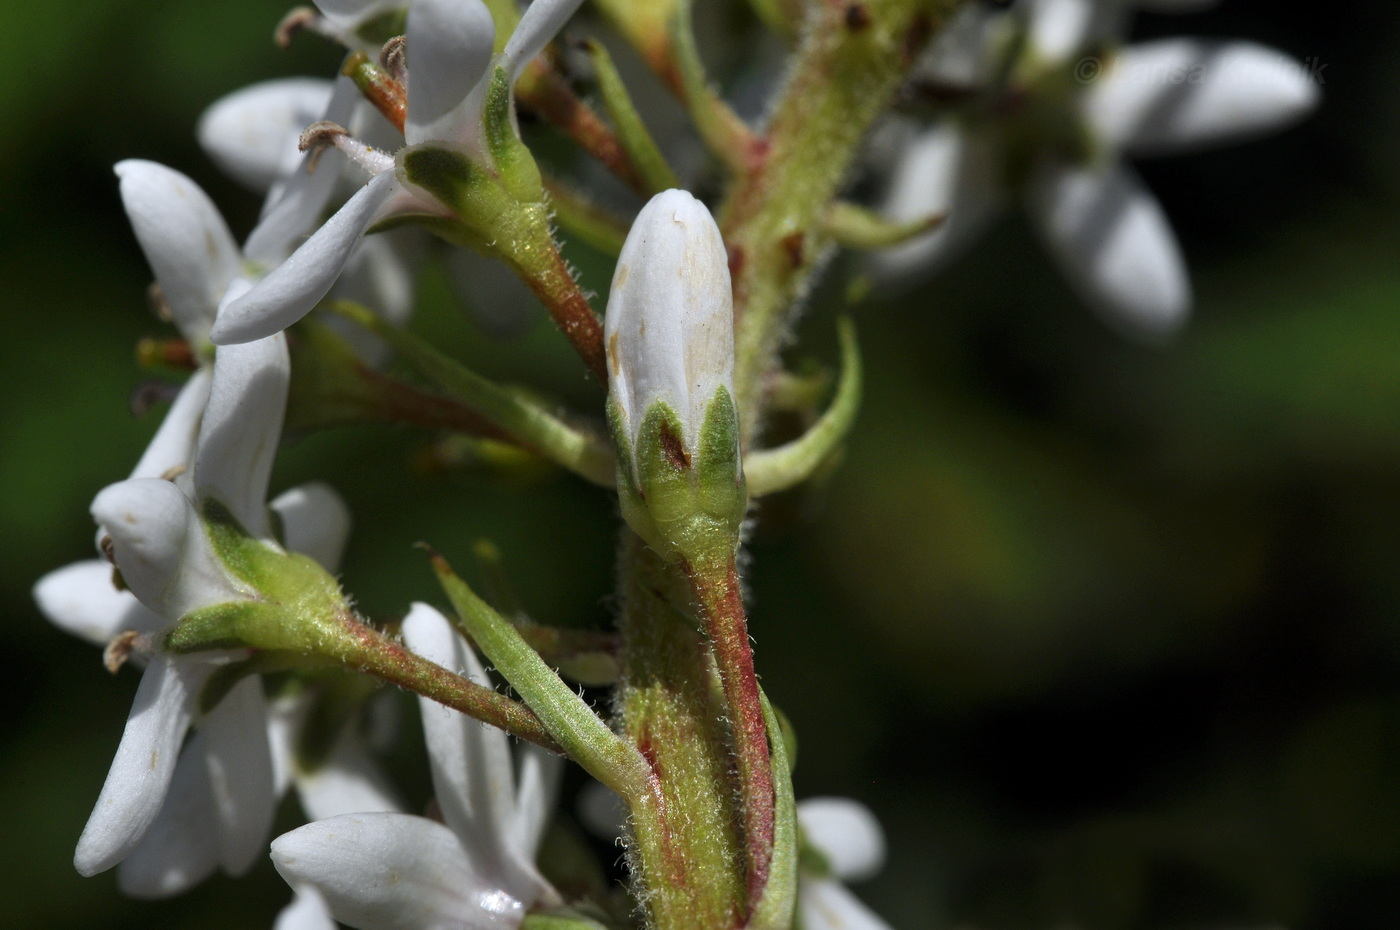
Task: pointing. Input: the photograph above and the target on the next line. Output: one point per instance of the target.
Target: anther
(325, 134)
(119, 649)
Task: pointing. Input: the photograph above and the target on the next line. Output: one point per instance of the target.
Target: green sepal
(469, 190)
(514, 163)
(686, 504)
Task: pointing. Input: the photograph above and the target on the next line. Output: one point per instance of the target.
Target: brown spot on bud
(857, 17)
(674, 448)
(794, 244)
(614, 363)
(117, 651)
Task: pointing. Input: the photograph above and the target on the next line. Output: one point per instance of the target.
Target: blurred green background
(1107, 635)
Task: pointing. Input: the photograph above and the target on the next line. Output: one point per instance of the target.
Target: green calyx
(686, 504)
(296, 605)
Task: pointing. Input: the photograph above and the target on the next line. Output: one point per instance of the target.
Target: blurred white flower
(849, 840)
(1049, 104)
(476, 868)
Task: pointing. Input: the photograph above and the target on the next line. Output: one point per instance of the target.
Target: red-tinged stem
(368, 650)
(551, 282)
(722, 604)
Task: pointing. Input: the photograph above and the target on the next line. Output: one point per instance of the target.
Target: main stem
(721, 605)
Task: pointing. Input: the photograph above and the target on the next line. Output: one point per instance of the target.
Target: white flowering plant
(457, 131)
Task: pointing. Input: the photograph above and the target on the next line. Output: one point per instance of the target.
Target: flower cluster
(258, 674)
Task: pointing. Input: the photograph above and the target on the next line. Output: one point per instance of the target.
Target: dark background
(1106, 634)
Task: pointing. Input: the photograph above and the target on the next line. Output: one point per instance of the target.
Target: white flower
(474, 870)
(849, 838)
(450, 44)
(1052, 131)
(168, 564)
(669, 330)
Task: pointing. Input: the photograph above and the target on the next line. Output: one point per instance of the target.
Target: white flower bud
(669, 337)
(670, 322)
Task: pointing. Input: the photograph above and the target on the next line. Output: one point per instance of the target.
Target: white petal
(81, 599)
(541, 23)
(160, 546)
(308, 911)
(295, 206)
(392, 872)
(181, 848)
(350, 782)
(351, 14)
(140, 775)
(825, 904)
(241, 429)
(846, 833)
(450, 43)
(944, 172)
(293, 288)
(172, 447)
(540, 772)
(1180, 94)
(1060, 28)
(185, 240)
(1109, 235)
(471, 763)
(669, 329)
(252, 133)
(966, 52)
(315, 522)
(239, 764)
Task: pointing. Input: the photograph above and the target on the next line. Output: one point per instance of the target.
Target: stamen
(307, 19)
(393, 58)
(119, 649)
(325, 134)
(380, 85)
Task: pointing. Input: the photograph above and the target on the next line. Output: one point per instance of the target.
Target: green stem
(685, 851)
(845, 72)
(367, 650)
(721, 602)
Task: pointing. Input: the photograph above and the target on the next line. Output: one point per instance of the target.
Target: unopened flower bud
(670, 345)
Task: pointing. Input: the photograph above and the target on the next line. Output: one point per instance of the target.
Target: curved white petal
(172, 447)
(81, 599)
(241, 429)
(846, 833)
(315, 522)
(542, 21)
(252, 133)
(239, 765)
(825, 904)
(392, 872)
(308, 911)
(944, 172)
(350, 782)
(181, 848)
(290, 291)
(1109, 235)
(540, 772)
(140, 775)
(185, 240)
(471, 764)
(450, 43)
(1179, 94)
(294, 207)
(160, 546)
(351, 14)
